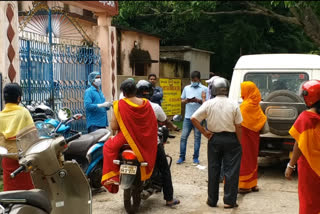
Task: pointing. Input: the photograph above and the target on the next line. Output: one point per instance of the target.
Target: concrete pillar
(102, 38)
(9, 42)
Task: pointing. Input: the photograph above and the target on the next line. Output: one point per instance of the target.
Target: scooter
(130, 177)
(40, 112)
(87, 150)
(61, 186)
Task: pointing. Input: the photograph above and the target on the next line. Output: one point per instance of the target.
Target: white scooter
(61, 186)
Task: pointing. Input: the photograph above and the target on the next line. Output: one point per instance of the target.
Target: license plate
(128, 169)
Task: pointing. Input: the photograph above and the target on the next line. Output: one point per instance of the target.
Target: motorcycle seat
(99, 133)
(36, 197)
(80, 146)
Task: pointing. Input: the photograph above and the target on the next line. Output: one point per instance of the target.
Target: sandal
(244, 191)
(255, 189)
(227, 206)
(173, 203)
(111, 182)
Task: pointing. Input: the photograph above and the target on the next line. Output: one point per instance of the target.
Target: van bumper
(276, 146)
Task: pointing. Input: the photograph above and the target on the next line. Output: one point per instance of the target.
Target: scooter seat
(99, 133)
(36, 197)
(80, 146)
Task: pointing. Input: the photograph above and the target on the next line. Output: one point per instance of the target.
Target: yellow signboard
(171, 103)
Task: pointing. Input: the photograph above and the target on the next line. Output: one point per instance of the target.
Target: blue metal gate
(54, 70)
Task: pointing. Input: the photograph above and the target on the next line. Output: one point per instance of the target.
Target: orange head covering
(253, 116)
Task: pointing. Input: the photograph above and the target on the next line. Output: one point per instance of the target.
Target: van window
(269, 82)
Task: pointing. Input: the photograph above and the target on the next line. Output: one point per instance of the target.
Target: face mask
(97, 82)
(194, 84)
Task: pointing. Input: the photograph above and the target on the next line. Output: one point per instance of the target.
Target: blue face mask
(195, 84)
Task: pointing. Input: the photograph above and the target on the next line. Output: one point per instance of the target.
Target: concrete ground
(276, 195)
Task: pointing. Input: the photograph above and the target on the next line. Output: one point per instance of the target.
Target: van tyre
(281, 96)
(131, 199)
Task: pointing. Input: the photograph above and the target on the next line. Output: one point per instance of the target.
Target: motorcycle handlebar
(73, 137)
(17, 171)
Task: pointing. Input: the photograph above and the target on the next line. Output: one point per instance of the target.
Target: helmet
(144, 89)
(220, 86)
(311, 92)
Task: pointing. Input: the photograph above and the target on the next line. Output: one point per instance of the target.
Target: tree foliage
(229, 29)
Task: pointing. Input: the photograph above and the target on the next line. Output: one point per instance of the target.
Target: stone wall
(145, 42)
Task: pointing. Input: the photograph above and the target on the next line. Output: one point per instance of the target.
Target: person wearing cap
(306, 150)
(209, 82)
(95, 104)
(224, 133)
(14, 119)
(212, 77)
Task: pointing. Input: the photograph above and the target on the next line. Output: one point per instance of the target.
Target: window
(269, 82)
(140, 69)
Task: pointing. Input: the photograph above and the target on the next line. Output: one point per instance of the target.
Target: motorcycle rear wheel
(131, 199)
(95, 176)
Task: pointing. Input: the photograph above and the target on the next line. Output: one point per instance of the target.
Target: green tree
(229, 29)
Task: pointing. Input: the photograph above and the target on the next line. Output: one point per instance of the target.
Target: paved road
(276, 195)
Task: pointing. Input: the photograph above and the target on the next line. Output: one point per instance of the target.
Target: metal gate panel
(54, 70)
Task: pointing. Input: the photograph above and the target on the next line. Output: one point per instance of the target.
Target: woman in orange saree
(136, 122)
(306, 151)
(253, 121)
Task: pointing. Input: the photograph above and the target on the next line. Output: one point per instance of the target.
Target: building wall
(200, 62)
(173, 70)
(146, 42)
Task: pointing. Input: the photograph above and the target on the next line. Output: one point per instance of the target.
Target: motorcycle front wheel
(131, 199)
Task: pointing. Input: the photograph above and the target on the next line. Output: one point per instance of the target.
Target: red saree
(306, 131)
(249, 161)
(21, 182)
(138, 128)
(253, 121)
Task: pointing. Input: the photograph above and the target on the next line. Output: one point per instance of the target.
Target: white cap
(211, 79)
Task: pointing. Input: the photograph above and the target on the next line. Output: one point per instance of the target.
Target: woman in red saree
(306, 151)
(136, 123)
(253, 121)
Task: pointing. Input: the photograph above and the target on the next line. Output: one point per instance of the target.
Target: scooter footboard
(68, 189)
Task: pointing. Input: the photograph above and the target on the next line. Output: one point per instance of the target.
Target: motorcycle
(40, 112)
(61, 186)
(130, 177)
(87, 150)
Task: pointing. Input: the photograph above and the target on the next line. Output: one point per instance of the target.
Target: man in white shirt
(144, 90)
(224, 133)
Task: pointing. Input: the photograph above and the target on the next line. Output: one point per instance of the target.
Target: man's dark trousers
(224, 147)
(162, 165)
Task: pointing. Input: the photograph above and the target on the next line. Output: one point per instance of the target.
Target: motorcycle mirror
(3, 151)
(64, 114)
(177, 118)
(77, 116)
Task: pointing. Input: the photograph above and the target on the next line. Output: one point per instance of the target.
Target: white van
(278, 77)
